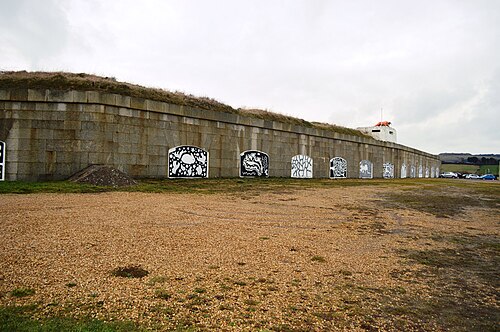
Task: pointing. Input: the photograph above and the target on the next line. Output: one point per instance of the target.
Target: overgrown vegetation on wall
(86, 82)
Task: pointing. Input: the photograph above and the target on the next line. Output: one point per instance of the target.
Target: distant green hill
(468, 158)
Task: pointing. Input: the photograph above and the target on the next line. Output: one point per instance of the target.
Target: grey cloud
(36, 30)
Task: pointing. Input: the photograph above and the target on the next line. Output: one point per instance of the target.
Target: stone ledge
(146, 105)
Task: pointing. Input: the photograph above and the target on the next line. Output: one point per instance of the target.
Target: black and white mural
(338, 168)
(388, 171)
(186, 161)
(403, 171)
(302, 167)
(365, 169)
(254, 163)
(420, 171)
(412, 171)
(2, 161)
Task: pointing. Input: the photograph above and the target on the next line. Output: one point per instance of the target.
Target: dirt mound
(100, 175)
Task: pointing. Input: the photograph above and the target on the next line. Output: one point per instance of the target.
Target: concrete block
(5, 95)
(19, 94)
(122, 101)
(37, 94)
(93, 97)
(107, 98)
(155, 106)
(175, 109)
(139, 103)
(194, 112)
(59, 96)
(125, 111)
(154, 117)
(79, 96)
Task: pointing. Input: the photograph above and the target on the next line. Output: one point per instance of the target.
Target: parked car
(472, 176)
(488, 177)
(449, 175)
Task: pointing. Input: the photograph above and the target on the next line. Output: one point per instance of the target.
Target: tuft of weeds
(200, 290)
(71, 284)
(326, 315)
(162, 294)
(319, 259)
(225, 307)
(156, 280)
(131, 271)
(251, 302)
(345, 273)
(22, 292)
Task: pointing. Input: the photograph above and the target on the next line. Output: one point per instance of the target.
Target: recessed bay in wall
(186, 161)
(365, 169)
(388, 171)
(338, 168)
(2, 160)
(302, 167)
(254, 163)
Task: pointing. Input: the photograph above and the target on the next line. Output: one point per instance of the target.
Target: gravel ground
(317, 259)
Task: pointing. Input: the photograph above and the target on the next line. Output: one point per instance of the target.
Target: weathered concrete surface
(51, 135)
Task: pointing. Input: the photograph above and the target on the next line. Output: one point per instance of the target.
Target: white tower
(381, 131)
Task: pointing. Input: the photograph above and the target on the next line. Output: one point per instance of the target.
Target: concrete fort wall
(51, 135)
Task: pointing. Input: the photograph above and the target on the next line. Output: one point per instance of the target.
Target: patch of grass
(19, 319)
(156, 280)
(461, 168)
(462, 275)
(168, 311)
(22, 292)
(131, 271)
(162, 294)
(240, 283)
(287, 328)
(489, 169)
(251, 302)
(446, 202)
(225, 307)
(18, 187)
(231, 186)
(195, 300)
(71, 284)
(345, 273)
(319, 259)
(326, 315)
(200, 290)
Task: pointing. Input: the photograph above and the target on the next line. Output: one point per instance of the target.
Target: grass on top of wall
(86, 82)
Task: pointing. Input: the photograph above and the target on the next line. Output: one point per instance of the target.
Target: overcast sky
(433, 66)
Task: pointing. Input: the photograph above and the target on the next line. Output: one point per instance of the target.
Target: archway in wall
(2, 160)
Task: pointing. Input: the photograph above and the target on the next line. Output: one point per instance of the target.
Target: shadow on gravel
(464, 283)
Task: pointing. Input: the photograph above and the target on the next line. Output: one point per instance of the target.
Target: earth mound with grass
(80, 81)
(101, 175)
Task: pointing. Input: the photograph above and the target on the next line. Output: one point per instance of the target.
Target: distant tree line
(482, 161)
